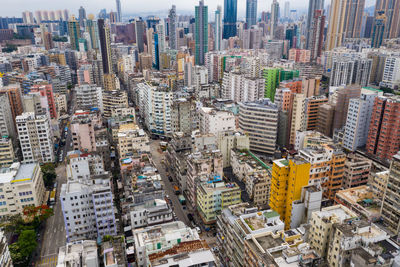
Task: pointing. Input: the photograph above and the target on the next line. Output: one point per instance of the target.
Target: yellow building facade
(288, 178)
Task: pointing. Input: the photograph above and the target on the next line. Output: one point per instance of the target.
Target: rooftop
(337, 213)
(18, 173)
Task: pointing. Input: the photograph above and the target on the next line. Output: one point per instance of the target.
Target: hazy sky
(158, 7)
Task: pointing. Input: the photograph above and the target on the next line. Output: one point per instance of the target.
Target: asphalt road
(168, 186)
(54, 234)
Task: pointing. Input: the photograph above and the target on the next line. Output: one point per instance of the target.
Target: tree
(39, 213)
(49, 174)
(22, 250)
(11, 224)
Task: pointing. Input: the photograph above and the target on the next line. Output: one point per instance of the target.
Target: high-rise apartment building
(311, 106)
(46, 91)
(392, 23)
(225, 194)
(259, 120)
(236, 86)
(119, 11)
(251, 13)
(358, 119)
(230, 17)
(346, 71)
(172, 28)
(271, 76)
(7, 156)
(35, 137)
(93, 30)
(88, 96)
(7, 126)
(317, 34)
(274, 17)
(343, 96)
(157, 117)
(105, 46)
(288, 179)
(201, 32)
(391, 73)
(344, 22)
(325, 117)
(74, 33)
(87, 206)
(356, 171)
(218, 29)
(384, 129)
(213, 121)
(297, 120)
(13, 91)
(327, 166)
(82, 17)
(313, 6)
(114, 99)
(390, 205)
(378, 30)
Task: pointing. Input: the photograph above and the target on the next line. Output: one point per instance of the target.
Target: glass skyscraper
(201, 32)
(230, 17)
(251, 13)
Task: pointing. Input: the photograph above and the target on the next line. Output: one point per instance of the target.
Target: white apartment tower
(237, 87)
(358, 120)
(35, 137)
(88, 209)
(259, 120)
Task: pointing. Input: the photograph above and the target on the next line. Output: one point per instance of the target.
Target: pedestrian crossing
(47, 262)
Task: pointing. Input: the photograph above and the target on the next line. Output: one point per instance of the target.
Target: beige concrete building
(356, 171)
(346, 237)
(360, 200)
(213, 121)
(322, 223)
(240, 222)
(7, 156)
(21, 185)
(229, 140)
(378, 182)
(61, 103)
(298, 117)
(200, 167)
(390, 207)
(114, 99)
(131, 140)
(123, 112)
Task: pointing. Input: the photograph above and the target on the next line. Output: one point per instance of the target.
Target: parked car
(190, 217)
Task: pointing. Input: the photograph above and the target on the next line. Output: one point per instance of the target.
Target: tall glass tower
(201, 32)
(218, 28)
(230, 17)
(251, 13)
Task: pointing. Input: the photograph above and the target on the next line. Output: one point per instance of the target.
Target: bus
(182, 199)
(52, 199)
(163, 145)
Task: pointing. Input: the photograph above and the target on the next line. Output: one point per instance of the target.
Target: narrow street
(53, 236)
(168, 186)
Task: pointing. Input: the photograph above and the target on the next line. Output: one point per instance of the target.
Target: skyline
(16, 7)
